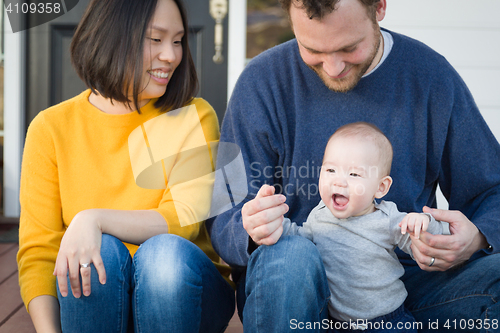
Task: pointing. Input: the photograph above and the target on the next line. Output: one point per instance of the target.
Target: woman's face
(162, 50)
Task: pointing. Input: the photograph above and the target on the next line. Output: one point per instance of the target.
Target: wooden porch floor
(13, 315)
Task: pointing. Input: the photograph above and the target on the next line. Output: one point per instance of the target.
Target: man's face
(342, 46)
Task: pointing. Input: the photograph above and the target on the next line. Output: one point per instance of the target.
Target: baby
(356, 236)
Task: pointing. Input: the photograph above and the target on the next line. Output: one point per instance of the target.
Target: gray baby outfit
(358, 254)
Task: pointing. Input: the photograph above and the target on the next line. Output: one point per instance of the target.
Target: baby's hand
(414, 222)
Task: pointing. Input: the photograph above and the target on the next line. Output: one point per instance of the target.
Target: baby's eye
(330, 170)
(353, 174)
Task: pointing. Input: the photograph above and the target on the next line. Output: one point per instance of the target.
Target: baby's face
(350, 177)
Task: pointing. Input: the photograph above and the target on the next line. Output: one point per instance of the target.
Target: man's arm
(470, 180)
(249, 124)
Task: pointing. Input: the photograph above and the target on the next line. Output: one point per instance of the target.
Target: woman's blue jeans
(169, 286)
(286, 284)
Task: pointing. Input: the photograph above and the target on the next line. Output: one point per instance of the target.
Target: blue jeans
(287, 281)
(285, 285)
(398, 321)
(458, 300)
(169, 286)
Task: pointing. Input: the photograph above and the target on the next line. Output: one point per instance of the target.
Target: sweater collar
(116, 120)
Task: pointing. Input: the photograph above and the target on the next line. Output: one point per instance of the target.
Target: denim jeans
(465, 299)
(286, 284)
(398, 321)
(169, 286)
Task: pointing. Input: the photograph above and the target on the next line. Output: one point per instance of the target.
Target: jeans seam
(486, 313)
(135, 308)
(325, 305)
(454, 300)
(486, 317)
(121, 291)
(122, 287)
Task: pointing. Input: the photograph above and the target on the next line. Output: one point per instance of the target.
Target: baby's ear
(383, 187)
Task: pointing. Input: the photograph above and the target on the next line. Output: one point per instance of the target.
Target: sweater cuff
(252, 246)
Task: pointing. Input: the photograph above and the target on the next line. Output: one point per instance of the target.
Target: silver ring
(432, 261)
(84, 265)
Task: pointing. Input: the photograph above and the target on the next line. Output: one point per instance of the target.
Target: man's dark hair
(107, 53)
(319, 8)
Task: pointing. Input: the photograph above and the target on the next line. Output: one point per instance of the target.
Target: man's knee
(289, 250)
(291, 258)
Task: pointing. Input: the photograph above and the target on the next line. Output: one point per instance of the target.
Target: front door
(50, 78)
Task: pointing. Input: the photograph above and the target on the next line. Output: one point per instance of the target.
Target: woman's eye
(178, 42)
(156, 40)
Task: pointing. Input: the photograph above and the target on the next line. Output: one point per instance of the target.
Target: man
(343, 68)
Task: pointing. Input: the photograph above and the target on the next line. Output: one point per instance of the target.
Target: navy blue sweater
(281, 116)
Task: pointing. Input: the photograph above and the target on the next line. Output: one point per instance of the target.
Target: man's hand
(447, 250)
(413, 223)
(263, 216)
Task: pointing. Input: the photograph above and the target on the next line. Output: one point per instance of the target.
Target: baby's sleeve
(404, 242)
(291, 228)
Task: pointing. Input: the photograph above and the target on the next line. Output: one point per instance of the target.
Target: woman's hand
(80, 245)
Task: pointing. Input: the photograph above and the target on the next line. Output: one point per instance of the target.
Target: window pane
(267, 26)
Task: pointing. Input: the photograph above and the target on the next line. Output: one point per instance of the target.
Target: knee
(110, 245)
(116, 259)
(292, 257)
(114, 252)
(166, 262)
(487, 272)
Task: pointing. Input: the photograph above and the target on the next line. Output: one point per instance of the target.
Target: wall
(467, 33)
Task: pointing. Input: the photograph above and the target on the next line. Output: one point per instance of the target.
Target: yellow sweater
(77, 157)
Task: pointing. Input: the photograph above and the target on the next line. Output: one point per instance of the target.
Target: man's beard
(357, 71)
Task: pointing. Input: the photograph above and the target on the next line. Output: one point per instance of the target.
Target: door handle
(218, 10)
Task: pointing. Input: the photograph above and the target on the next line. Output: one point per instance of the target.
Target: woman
(90, 193)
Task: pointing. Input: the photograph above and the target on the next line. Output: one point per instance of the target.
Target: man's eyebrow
(342, 48)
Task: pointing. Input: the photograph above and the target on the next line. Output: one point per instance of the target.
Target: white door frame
(237, 40)
(14, 106)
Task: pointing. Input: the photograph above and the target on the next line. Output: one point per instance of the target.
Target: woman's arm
(44, 312)
(41, 227)
(131, 226)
